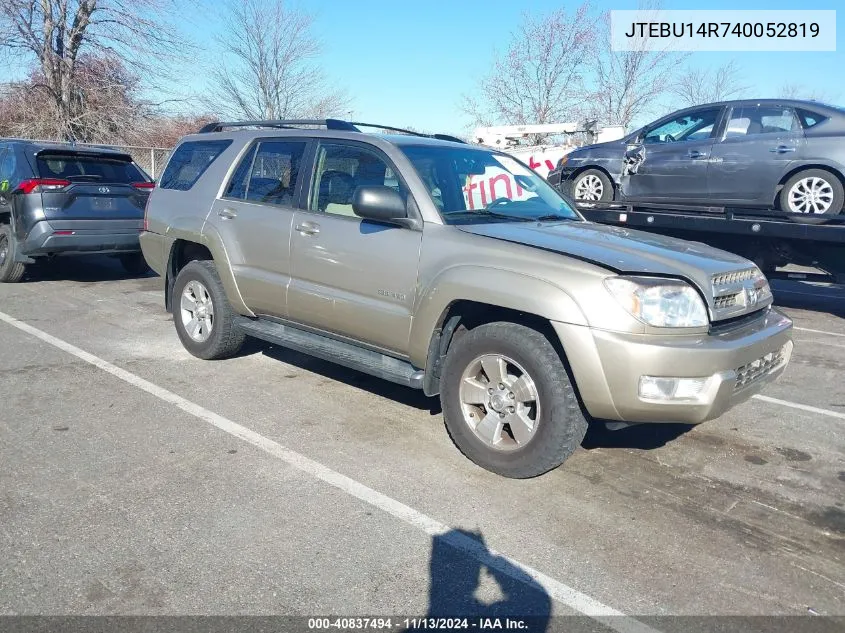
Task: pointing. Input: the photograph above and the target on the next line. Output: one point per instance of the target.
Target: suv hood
(618, 249)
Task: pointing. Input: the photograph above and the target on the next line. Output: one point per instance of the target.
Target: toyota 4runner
(457, 270)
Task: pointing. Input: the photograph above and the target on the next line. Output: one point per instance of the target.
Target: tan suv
(456, 270)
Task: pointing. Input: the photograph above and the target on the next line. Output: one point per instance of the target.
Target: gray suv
(65, 199)
(457, 270)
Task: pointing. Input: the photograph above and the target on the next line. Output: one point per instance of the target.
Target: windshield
(477, 185)
(88, 168)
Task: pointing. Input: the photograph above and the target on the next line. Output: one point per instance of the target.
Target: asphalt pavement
(136, 479)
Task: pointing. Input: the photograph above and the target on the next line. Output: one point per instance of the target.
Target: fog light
(659, 388)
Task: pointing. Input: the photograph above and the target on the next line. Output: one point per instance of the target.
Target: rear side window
(189, 162)
(809, 119)
(88, 168)
(268, 173)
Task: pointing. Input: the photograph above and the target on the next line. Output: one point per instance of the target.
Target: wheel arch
(183, 251)
(806, 167)
(455, 302)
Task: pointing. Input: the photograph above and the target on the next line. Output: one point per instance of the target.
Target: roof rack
(329, 124)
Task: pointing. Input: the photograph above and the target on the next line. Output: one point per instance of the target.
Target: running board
(334, 351)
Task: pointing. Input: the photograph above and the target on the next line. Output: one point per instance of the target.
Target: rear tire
(202, 314)
(558, 424)
(134, 263)
(796, 197)
(10, 270)
(592, 185)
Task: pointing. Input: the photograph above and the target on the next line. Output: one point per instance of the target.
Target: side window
(809, 119)
(340, 170)
(189, 162)
(240, 179)
(272, 179)
(694, 126)
(752, 120)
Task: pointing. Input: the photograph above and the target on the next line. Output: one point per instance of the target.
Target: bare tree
(800, 91)
(540, 78)
(696, 86)
(628, 83)
(55, 36)
(269, 69)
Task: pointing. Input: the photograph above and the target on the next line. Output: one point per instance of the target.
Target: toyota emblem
(104, 190)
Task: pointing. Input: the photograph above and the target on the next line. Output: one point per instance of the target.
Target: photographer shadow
(469, 581)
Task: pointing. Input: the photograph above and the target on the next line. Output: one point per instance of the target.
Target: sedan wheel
(810, 195)
(589, 188)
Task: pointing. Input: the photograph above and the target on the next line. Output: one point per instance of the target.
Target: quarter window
(341, 169)
(189, 162)
(809, 119)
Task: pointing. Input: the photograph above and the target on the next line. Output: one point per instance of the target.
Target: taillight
(144, 185)
(37, 185)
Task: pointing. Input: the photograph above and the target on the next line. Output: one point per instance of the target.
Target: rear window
(88, 168)
(189, 162)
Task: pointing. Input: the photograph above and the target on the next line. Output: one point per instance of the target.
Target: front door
(254, 219)
(670, 161)
(758, 147)
(350, 276)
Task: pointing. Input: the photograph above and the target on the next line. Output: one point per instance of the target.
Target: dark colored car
(764, 153)
(63, 199)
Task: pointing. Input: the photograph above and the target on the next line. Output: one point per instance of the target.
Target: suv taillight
(37, 185)
(144, 185)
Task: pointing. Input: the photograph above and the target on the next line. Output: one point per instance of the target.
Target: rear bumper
(607, 367)
(117, 236)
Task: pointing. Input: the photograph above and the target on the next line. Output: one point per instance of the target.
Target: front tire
(812, 196)
(592, 185)
(10, 270)
(205, 322)
(508, 403)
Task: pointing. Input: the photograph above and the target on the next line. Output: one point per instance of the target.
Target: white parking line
(561, 592)
(798, 405)
(806, 329)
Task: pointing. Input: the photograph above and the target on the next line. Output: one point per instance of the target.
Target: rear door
(670, 161)
(759, 146)
(254, 217)
(90, 186)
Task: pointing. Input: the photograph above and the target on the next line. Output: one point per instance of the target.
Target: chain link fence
(151, 159)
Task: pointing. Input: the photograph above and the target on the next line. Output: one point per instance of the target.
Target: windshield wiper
(552, 217)
(486, 213)
(85, 177)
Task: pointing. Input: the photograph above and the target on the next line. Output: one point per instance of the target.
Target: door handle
(782, 149)
(227, 214)
(308, 228)
(695, 154)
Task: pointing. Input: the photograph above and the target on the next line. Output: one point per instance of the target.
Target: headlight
(659, 302)
(562, 161)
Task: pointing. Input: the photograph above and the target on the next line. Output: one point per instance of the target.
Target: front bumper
(737, 363)
(80, 237)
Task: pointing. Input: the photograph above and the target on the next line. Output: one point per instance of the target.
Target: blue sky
(408, 63)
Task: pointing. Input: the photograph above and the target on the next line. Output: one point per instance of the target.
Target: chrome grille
(753, 371)
(725, 301)
(736, 277)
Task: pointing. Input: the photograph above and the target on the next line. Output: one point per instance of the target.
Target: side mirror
(379, 203)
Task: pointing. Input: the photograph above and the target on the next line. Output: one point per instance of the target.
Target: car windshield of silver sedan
(475, 185)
